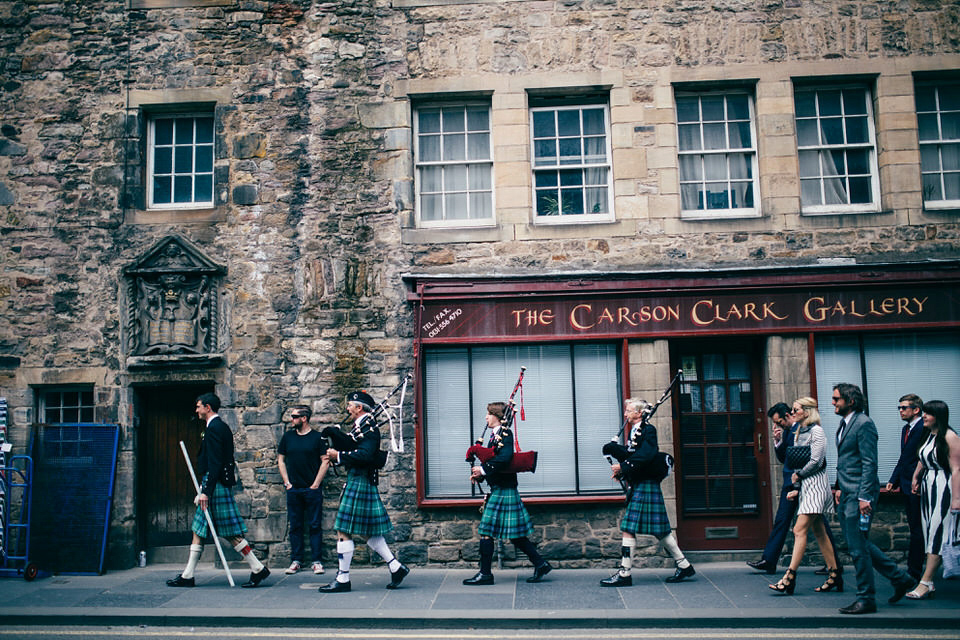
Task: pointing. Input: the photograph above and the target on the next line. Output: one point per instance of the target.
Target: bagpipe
(522, 461)
(383, 413)
(658, 468)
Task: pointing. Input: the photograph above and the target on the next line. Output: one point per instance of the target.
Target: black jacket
(902, 476)
(643, 447)
(216, 450)
(502, 443)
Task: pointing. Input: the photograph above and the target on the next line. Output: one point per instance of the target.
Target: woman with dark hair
(936, 478)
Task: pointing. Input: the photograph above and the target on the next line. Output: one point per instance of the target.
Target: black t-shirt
(302, 456)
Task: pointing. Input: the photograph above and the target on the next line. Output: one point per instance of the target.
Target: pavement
(722, 594)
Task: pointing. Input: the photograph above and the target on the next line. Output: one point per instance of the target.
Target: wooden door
(722, 470)
(165, 491)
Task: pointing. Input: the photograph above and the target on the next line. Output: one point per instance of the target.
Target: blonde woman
(812, 488)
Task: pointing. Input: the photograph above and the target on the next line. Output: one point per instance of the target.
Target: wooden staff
(206, 513)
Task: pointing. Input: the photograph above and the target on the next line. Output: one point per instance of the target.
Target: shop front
(743, 340)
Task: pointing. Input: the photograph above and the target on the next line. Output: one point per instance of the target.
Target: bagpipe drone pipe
(522, 461)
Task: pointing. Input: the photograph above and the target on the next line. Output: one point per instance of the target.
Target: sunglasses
(294, 416)
(905, 407)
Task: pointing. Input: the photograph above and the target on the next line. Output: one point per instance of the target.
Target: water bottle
(864, 522)
(143, 558)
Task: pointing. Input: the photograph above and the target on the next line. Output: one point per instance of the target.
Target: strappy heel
(787, 583)
(929, 592)
(834, 582)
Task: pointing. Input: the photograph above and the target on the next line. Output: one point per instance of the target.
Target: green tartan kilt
(223, 512)
(646, 513)
(504, 516)
(361, 511)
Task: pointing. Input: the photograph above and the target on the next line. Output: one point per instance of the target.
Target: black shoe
(256, 578)
(900, 589)
(860, 606)
(681, 574)
(180, 581)
(617, 580)
(335, 587)
(539, 572)
(480, 578)
(763, 565)
(396, 577)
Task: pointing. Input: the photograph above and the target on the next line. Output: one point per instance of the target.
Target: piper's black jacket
(493, 468)
(216, 451)
(643, 447)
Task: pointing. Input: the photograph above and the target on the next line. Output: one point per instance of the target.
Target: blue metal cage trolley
(16, 496)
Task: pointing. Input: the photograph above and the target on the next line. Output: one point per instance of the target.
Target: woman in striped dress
(504, 515)
(815, 499)
(937, 481)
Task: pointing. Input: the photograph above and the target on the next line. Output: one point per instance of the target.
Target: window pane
(481, 205)
(712, 108)
(454, 147)
(717, 195)
(455, 178)
(950, 126)
(478, 119)
(714, 136)
(593, 122)
(570, 151)
(204, 130)
(204, 156)
(715, 167)
(596, 200)
(545, 151)
(161, 190)
(430, 179)
(429, 121)
(163, 160)
(809, 163)
(926, 98)
(832, 130)
(429, 148)
(543, 126)
(595, 150)
(571, 201)
(739, 135)
(688, 109)
(951, 156)
(689, 137)
(455, 205)
(548, 203)
(858, 162)
(690, 168)
(204, 188)
(163, 131)
(930, 158)
(742, 195)
(854, 101)
(931, 187)
(951, 183)
(183, 159)
(928, 126)
(568, 122)
(183, 131)
(574, 177)
(431, 207)
(546, 178)
(810, 193)
(479, 146)
(740, 166)
(949, 95)
(805, 103)
(480, 177)
(860, 191)
(829, 102)
(857, 130)
(834, 191)
(182, 189)
(454, 120)
(833, 163)
(807, 133)
(690, 197)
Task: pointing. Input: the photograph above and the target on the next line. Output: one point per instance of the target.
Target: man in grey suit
(857, 492)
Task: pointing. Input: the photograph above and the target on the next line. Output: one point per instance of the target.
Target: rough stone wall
(314, 193)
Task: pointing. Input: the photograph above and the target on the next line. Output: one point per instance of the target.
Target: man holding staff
(215, 469)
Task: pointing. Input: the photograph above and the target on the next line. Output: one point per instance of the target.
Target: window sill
(836, 211)
(573, 219)
(176, 216)
(942, 206)
(720, 215)
(448, 503)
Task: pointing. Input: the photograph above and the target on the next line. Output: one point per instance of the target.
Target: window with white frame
(717, 154)
(180, 152)
(570, 399)
(60, 405)
(454, 165)
(836, 149)
(938, 120)
(885, 366)
(572, 177)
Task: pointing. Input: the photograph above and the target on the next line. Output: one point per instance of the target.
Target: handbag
(950, 551)
(798, 456)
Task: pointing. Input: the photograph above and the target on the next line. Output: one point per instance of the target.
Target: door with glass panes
(721, 448)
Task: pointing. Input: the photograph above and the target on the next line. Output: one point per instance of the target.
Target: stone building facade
(292, 259)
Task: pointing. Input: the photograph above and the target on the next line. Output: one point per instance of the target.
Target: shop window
(571, 163)
(717, 154)
(938, 120)
(180, 153)
(885, 367)
(570, 398)
(454, 165)
(836, 149)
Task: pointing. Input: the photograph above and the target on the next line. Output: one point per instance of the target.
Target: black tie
(840, 430)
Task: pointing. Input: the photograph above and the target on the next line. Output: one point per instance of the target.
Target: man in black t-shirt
(301, 466)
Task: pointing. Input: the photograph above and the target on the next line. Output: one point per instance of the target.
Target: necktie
(843, 423)
(906, 432)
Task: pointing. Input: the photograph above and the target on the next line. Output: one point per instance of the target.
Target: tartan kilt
(361, 511)
(504, 516)
(223, 512)
(646, 513)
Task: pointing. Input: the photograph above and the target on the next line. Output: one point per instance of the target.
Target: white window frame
(870, 145)
(484, 164)
(152, 119)
(936, 145)
(606, 165)
(702, 152)
(83, 409)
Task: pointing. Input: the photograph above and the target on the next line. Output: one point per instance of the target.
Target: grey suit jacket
(857, 459)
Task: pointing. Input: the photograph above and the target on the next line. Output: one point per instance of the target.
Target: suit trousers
(866, 555)
(916, 556)
(305, 505)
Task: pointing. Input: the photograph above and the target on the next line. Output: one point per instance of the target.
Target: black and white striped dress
(815, 494)
(934, 495)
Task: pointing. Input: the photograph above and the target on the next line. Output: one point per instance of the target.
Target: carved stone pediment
(173, 311)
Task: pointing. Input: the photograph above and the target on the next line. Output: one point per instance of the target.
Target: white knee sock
(626, 555)
(196, 550)
(243, 548)
(379, 544)
(669, 543)
(344, 558)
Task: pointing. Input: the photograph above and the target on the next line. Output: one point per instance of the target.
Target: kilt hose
(646, 513)
(361, 511)
(505, 516)
(223, 512)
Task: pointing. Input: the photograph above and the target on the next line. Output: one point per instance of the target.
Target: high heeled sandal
(787, 583)
(834, 582)
(929, 593)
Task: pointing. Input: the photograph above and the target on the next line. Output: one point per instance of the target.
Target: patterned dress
(934, 495)
(815, 493)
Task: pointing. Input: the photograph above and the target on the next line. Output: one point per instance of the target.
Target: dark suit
(216, 450)
(857, 480)
(786, 509)
(902, 479)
